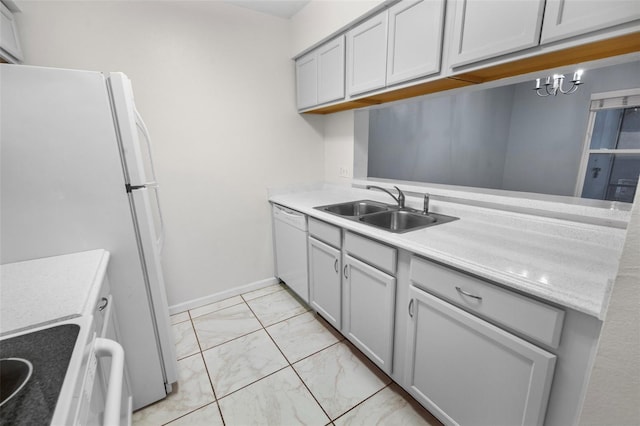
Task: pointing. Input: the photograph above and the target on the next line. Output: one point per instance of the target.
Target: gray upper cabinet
(307, 80)
(331, 71)
(320, 74)
(367, 55)
(567, 18)
(10, 49)
(415, 39)
(485, 29)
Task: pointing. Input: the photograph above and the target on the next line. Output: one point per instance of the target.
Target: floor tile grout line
(311, 393)
(361, 402)
(190, 412)
(254, 382)
(206, 368)
(287, 319)
(259, 297)
(255, 331)
(217, 310)
(231, 340)
(316, 352)
(291, 365)
(212, 388)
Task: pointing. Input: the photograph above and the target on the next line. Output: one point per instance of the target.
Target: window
(611, 160)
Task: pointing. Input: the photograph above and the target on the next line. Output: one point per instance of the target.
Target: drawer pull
(466, 293)
(335, 266)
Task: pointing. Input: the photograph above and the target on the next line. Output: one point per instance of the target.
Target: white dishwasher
(290, 241)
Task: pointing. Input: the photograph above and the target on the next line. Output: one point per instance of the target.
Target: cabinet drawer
(537, 320)
(324, 232)
(376, 254)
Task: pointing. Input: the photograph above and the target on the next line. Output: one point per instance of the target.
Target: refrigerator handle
(147, 139)
(153, 184)
(160, 240)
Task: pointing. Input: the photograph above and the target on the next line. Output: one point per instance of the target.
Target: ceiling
(281, 8)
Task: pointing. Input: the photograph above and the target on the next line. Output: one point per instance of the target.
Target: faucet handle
(425, 207)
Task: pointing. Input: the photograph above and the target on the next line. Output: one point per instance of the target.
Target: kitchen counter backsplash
(569, 263)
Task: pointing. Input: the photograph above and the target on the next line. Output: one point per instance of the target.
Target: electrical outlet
(344, 172)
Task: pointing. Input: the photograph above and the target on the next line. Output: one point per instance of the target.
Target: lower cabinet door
(324, 281)
(469, 372)
(370, 310)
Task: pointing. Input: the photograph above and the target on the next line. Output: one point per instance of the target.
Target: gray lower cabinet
(325, 281)
(369, 297)
(467, 371)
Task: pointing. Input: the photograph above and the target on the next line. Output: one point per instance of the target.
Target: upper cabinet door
(9, 43)
(567, 18)
(415, 39)
(488, 28)
(367, 55)
(331, 71)
(307, 80)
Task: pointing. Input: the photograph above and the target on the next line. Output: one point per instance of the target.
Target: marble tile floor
(263, 358)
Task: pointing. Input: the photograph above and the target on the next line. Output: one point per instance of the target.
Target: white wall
(320, 18)
(338, 154)
(214, 83)
(614, 389)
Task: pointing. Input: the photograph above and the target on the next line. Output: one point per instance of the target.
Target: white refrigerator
(77, 174)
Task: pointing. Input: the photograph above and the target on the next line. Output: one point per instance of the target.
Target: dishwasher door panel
(291, 257)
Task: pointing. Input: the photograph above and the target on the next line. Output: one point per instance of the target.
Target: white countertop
(41, 291)
(568, 263)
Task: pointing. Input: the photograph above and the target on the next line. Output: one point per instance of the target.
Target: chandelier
(554, 85)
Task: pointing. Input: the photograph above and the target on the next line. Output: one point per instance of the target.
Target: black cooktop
(49, 351)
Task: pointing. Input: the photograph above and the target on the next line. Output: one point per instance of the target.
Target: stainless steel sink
(355, 208)
(385, 216)
(399, 221)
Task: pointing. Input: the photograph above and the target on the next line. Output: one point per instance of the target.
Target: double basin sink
(384, 216)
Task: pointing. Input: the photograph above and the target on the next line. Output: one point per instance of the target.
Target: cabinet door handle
(104, 304)
(466, 293)
(335, 266)
(411, 308)
(344, 271)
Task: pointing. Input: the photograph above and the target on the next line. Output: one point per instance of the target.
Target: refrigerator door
(143, 211)
(136, 146)
(63, 191)
(138, 162)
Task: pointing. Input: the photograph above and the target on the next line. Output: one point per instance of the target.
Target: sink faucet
(399, 199)
(425, 206)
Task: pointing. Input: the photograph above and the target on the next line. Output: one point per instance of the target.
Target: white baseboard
(216, 297)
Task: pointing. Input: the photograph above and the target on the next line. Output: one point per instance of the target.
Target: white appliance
(290, 237)
(77, 174)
